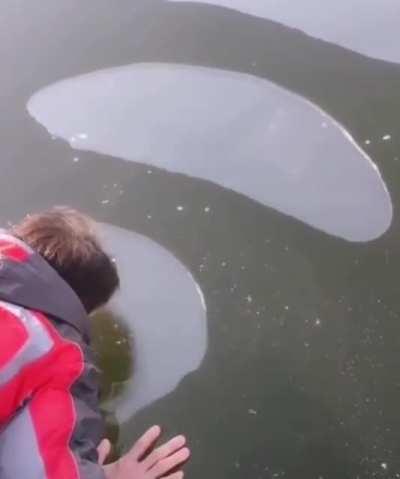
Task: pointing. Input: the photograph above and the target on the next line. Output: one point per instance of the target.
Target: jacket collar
(26, 279)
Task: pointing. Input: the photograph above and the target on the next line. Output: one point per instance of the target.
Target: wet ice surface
(164, 308)
(239, 131)
(369, 27)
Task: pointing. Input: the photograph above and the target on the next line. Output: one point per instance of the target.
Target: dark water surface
(365, 26)
(300, 376)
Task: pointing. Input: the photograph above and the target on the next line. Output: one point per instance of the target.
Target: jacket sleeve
(36, 443)
(49, 422)
(89, 427)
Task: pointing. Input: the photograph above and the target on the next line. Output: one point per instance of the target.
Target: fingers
(142, 446)
(171, 462)
(103, 450)
(176, 475)
(164, 451)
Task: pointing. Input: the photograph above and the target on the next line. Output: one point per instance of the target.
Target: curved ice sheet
(165, 310)
(239, 131)
(369, 27)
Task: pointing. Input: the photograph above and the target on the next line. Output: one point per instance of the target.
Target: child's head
(67, 240)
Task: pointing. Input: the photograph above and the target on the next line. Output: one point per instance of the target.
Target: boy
(53, 273)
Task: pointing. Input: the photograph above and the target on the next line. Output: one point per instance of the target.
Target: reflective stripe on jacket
(50, 425)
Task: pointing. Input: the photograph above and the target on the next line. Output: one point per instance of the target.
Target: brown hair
(67, 240)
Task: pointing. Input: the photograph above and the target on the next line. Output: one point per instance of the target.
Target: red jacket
(49, 418)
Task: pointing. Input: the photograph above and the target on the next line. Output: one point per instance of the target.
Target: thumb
(103, 450)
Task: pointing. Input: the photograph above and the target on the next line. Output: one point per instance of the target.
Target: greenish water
(300, 378)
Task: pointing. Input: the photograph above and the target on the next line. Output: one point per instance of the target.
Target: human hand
(144, 461)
